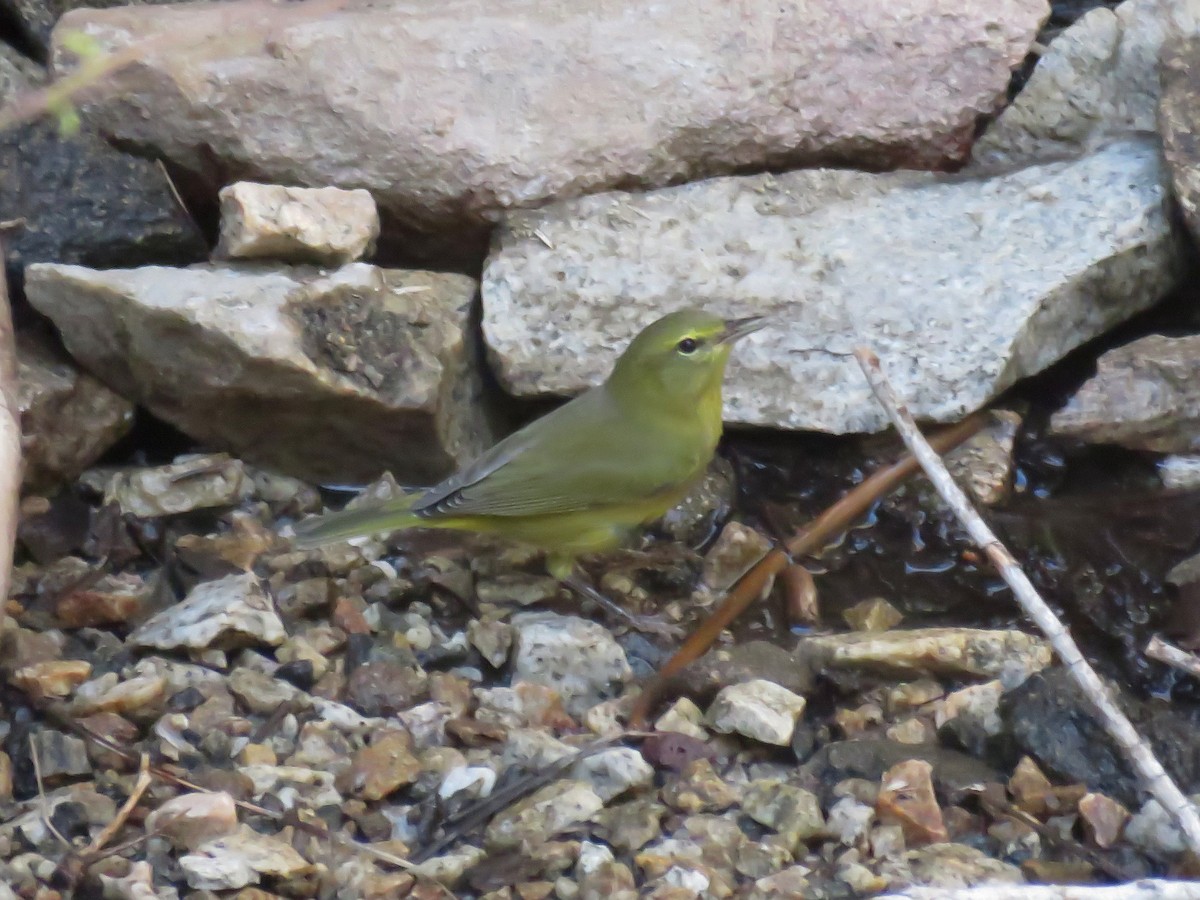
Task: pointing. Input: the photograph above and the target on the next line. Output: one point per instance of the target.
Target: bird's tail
(351, 523)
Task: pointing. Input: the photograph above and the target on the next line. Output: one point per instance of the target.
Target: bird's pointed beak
(739, 328)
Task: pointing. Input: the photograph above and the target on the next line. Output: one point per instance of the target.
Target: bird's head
(679, 358)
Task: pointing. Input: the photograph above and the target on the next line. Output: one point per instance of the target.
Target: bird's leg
(577, 582)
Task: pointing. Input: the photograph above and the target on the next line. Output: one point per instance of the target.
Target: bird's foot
(656, 625)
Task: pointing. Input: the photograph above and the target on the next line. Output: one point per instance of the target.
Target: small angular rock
(239, 859)
(318, 225)
(68, 417)
(61, 755)
(943, 651)
(543, 814)
(1180, 472)
(199, 482)
(760, 710)
(683, 717)
(614, 771)
(382, 767)
(190, 820)
(699, 789)
(1030, 787)
(492, 639)
(525, 704)
(137, 697)
(736, 549)
(231, 611)
(53, 679)
(630, 826)
(906, 798)
(578, 658)
(872, 615)
(113, 600)
(1103, 819)
(984, 463)
(789, 810)
(385, 688)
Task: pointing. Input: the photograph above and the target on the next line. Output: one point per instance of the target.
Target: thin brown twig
(1160, 650)
(1154, 778)
(800, 589)
(808, 541)
(175, 195)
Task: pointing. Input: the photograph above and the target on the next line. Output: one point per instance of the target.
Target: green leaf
(68, 119)
(82, 45)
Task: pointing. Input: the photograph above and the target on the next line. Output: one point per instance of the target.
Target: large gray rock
(68, 417)
(1099, 79)
(452, 112)
(34, 19)
(962, 286)
(1145, 395)
(73, 198)
(1179, 122)
(326, 376)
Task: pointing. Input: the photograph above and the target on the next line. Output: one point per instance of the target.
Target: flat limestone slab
(961, 285)
(326, 375)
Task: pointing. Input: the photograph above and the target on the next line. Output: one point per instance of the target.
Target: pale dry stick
(10, 438)
(1174, 657)
(1145, 889)
(1154, 778)
(139, 787)
(41, 788)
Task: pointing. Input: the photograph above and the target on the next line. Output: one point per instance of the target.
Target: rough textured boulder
(1145, 395)
(68, 417)
(76, 199)
(328, 376)
(452, 112)
(963, 286)
(1179, 122)
(1099, 80)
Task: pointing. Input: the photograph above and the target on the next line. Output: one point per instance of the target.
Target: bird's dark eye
(688, 345)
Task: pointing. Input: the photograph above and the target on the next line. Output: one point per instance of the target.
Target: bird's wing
(584, 455)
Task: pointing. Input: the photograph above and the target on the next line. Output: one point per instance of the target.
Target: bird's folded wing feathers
(555, 466)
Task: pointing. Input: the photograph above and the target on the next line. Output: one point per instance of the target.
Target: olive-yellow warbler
(582, 478)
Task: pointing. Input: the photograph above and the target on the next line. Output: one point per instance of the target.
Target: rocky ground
(192, 708)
